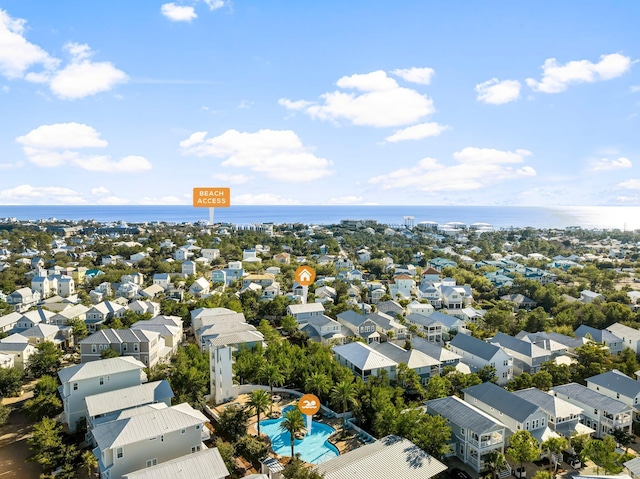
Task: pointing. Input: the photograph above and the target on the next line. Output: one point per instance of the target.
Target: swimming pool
(313, 448)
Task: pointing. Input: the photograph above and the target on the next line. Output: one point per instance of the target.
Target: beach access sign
(204, 197)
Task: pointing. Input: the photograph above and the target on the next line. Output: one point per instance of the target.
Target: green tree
(46, 444)
(41, 406)
(289, 324)
(438, 387)
(259, 401)
(272, 375)
(544, 475)
(10, 381)
(523, 448)
(603, 454)
(294, 423)
(495, 462)
(78, 328)
(228, 453)
(542, 380)
(297, 469)
(189, 376)
(318, 384)
(5, 411)
(109, 353)
(233, 422)
(89, 462)
(623, 437)
(554, 447)
(344, 393)
(47, 360)
(252, 448)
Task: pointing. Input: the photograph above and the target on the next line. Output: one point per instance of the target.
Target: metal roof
(390, 456)
(598, 335)
(433, 350)
(207, 464)
(525, 348)
(475, 346)
(363, 356)
(624, 332)
(552, 405)
(412, 358)
(126, 398)
(144, 426)
(594, 399)
(501, 400)
(617, 382)
(99, 368)
(463, 414)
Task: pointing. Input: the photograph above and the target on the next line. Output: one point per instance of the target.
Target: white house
(363, 360)
(20, 348)
(402, 285)
(302, 312)
(617, 385)
(477, 354)
(144, 440)
(630, 336)
(95, 377)
(205, 464)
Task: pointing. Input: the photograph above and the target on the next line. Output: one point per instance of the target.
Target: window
(75, 386)
(184, 431)
(94, 349)
(136, 347)
(195, 449)
(198, 427)
(101, 381)
(119, 453)
(152, 462)
(161, 438)
(124, 346)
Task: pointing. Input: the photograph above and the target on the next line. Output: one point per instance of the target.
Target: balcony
(487, 441)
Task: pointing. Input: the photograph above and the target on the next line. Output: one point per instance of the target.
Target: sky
(532, 103)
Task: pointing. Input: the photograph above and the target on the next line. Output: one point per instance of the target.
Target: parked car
(459, 474)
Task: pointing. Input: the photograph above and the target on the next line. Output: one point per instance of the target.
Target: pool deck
(344, 443)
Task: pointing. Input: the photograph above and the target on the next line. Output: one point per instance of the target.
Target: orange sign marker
(212, 197)
(309, 404)
(305, 275)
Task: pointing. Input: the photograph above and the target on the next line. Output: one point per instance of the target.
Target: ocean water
(604, 217)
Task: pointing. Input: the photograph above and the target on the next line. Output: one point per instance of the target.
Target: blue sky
(287, 102)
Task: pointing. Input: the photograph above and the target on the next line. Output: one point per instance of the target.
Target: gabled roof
(352, 317)
(144, 426)
(206, 464)
(39, 315)
(554, 406)
(126, 398)
(306, 308)
(41, 331)
(433, 350)
(591, 398)
(363, 356)
(598, 335)
(624, 332)
(618, 382)
(412, 358)
(390, 456)
(475, 346)
(463, 414)
(96, 369)
(525, 348)
(501, 400)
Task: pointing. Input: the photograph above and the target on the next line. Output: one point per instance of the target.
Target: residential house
(527, 357)
(101, 312)
(210, 253)
(128, 290)
(101, 293)
(31, 318)
(144, 307)
(248, 332)
(363, 360)
(391, 308)
(282, 258)
(430, 275)
(208, 316)
(387, 326)
(219, 276)
(66, 286)
(168, 327)
(342, 262)
(445, 356)
(69, 313)
(9, 321)
(188, 268)
(600, 412)
(263, 280)
(22, 299)
(521, 301)
(163, 280)
(516, 413)
(182, 254)
(587, 296)
(602, 336)
(439, 264)
(42, 285)
(104, 407)
(45, 332)
(402, 286)
(474, 433)
(424, 366)
(564, 417)
(430, 293)
(143, 440)
(630, 336)
(21, 349)
(618, 385)
(87, 379)
(430, 327)
(303, 312)
(359, 325)
(152, 291)
(557, 344)
(200, 287)
(391, 456)
(425, 309)
(477, 354)
(323, 329)
(143, 345)
(205, 464)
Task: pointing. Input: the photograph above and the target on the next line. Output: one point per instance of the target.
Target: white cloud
(245, 105)
(178, 13)
(498, 92)
(379, 101)
(17, 55)
(164, 200)
(82, 77)
(215, 4)
(345, 200)
(27, 194)
(422, 76)
(633, 184)
(263, 199)
(277, 154)
(605, 164)
(58, 144)
(232, 179)
(476, 168)
(113, 200)
(557, 78)
(417, 132)
(100, 191)
(62, 135)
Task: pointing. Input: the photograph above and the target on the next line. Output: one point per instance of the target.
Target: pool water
(313, 448)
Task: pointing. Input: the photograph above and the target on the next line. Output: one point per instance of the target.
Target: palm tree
(554, 445)
(259, 401)
(318, 383)
(344, 393)
(495, 462)
(294, 423)
(90, 462)
(272, 375)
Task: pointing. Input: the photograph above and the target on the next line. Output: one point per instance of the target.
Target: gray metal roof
(594, 399)
(554, 406)
(412, 358)
(433, 350)
(363, 356)
(598, 335)
(463, 414)
(519, 346)
(99, 368)
(501, 400)
(617, 382)
(388, 457)
(207, 464)
(475, 346)
(126, 398)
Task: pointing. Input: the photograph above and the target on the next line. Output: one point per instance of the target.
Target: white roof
(144, 426)
(128, 397)
(99, 368)
(306, 308)
(390, 456)
(207, 464)
(363, 356)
